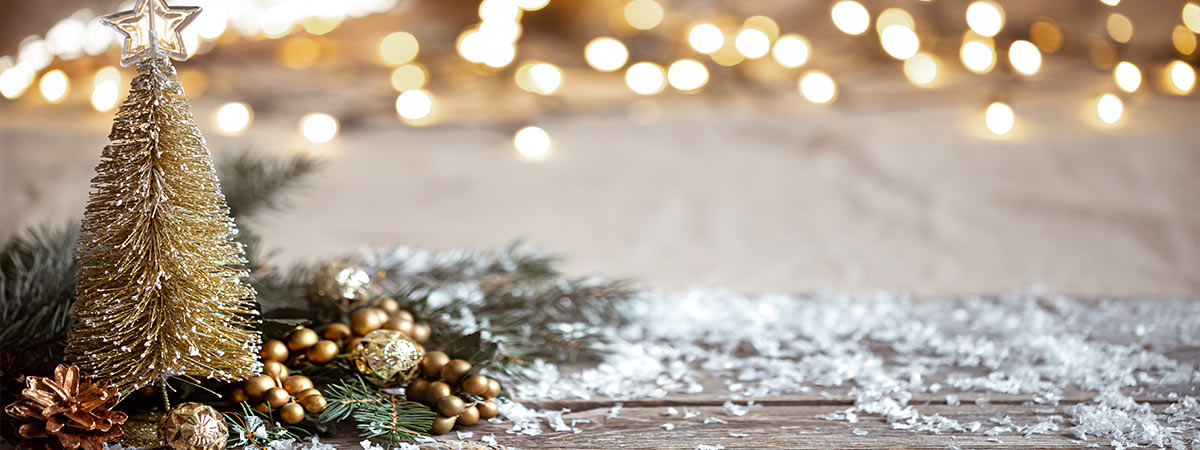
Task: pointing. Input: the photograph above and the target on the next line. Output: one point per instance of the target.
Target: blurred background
(942, 147)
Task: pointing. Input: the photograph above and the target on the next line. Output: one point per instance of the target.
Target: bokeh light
(414, 105)
(499, 10)
(398, 48)
(645, 78)
(1109, 109)
(791, 51)
(213, 22)
(532, 5)
(532, 142)
(319, 128)
(977, 56)
(1024, 57)
(1191, 16)
(706, 38)
(104, 96)
(851, 17)
(985, 17)
(899, 41)
(15, 80)
(1119, 27)
(999, 118)
(764, 24)
(539, 77)
(605, 54)
(233, 118)
(1182, 77)
(921, 69)
(1046, 36)
(1110, 2)
(752, 43)
(894, 16)
(818, 87)
(1127, 76)
(643, 14)
(687, 75)
(409, 77)
(1183, 39)
(299, 52)
(54, 86)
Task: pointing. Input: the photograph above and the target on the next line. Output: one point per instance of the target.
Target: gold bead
(475, 384)
(436, 391)
(276, 397)
(488, 409)
(291, 413)
(442, 425)
(469, 416)
(416, 390)
(455, 370)
(238, 395)
(336, 332)
(351, 344)
(306, 393)
(314, 404)
(274, 350)
(365, 321)
(401, 325)
(421, 332)
(433, 363)
(301, 339)
(493, 389)
(388, 305)
(297, 383)
(263, 408)
(322, 353)
(451, 405)
(275, 369)
(380, 314)
(402, 314)
(258, 386)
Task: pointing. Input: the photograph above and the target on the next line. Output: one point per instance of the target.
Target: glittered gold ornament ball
(387, 357)
(192, 426)
(339, 285)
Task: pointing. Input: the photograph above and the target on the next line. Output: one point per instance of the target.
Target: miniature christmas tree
(160, 290)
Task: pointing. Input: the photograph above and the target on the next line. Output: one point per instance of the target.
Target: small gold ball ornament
(336, 332)
(416, 390)
(275, 369)
(274, 350)
(307, 392)
(451, 405)
(339, 285)
(296, 384)
(192, 426)
(493, 389)
(291, 413)
(257, 386)
(365, 321)
(442, 424)
(388, 305)
(387, 357)
(276, 397)
(488, 409)
(301, 339)
(475, 384)
(436, 391)
(469, 416)
(402, 314)
(433, 363)
(401, 325)
(322, 353)
(421, 332)
(455, 370)
(314, 404)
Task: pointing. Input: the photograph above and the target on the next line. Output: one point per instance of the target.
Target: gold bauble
(402, 314)
(296, 384)
(493, 389)
(442, 425)
(276, 397)
(365, 321)
(336, 332)
(276, 370)
(488, 409)
(291, 413)
(433, 363)
(307, 392)
(469, 416)
(402, 325)
(388, 305)
(387, 357)
(421, 332)
(475, 384)
(301, 339)
(322, 353)
(455, 370)
(339, 285)
(436, 391)
(192, 426)
(314, 404)
(257, 386)
(274, 350)
(451, 405)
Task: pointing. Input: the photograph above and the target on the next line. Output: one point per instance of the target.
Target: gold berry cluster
(458, 396)
(384, 313)
(278, 390)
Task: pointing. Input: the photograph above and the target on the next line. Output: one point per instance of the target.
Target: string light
(764, 24)
(999, 118)
(1127, 76)
(398, 48)
(499, 10)
(643, 14)
(818, 87)
(605, 54)
(1119, 27)
(921, 69)
(1109, 109)
(645, 78)
(533, 143)
(54, 86)
(414, 105)
(277, 22)
(1025, 57)
(104, 88)
(409, 77)
(319, 128)
(977, 55)
(1191, 16)
(233, 118)
(15, 80)
(752, 43)
(985, 17)
(539, 77)
(1183, 39)
(894, 16)
(791, 51)
(706, 38)
(687, 75)
(1182, 77)
(899, 41)
(851, 17)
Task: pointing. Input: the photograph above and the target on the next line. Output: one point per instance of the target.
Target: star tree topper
(151, 26)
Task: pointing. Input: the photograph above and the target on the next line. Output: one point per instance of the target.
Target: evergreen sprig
(377, 413)
(37, 278)
(254, 184)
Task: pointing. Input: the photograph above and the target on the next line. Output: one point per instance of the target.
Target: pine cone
(68, 412)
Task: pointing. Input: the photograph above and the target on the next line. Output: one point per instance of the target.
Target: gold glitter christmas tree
(160, 290)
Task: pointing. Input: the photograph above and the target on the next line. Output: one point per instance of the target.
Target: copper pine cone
(68, 412)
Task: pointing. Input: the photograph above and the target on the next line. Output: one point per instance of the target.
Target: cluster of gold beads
(449, 388)
(277, 389)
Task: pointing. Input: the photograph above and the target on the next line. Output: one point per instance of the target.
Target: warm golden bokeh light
(320, 25)
(104, 95)
(299, 52)
(818, 87)
(752, 43)
(727, 55)
(233, 118)
(398, 48)
(1109, 109)
(1127, 76)
(539, 77)
(791, 51)
(921, 69)
(894, 16)
(1181, 77)
(15, 80)
(499, 10)
(1183, 39)
(977, 55)
(212, 23)
(532, 5)
(605, 54)
(1046, 36)
(532, 143)
(1102, 54)
(1119, 27)
(54, 86)
(687, 75)
(764, 24)
(706, 38)
(1110, 2)
(414, 105)
(276, 22)
(985, 17)
(1191, 16)
(851, 17)
(999, 118)
(645, 78)
(899, 41)
(409, 77)
(319, 128)
(643, 14)
(1025, 57)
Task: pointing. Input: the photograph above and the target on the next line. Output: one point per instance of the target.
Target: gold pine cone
(67, 412)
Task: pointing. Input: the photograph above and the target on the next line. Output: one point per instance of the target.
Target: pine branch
(37, 278)
(253, 184)
(378, 414)
(251, 427)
